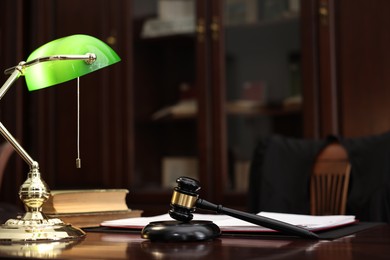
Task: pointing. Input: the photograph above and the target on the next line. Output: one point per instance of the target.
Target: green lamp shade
(46, 74)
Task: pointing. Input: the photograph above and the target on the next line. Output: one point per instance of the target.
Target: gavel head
(184, 198)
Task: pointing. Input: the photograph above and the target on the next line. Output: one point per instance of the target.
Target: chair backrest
(329, 181)
(6, 150)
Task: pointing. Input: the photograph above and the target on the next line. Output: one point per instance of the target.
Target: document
(230, 224)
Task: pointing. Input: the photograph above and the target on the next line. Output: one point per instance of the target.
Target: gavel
(185, 200)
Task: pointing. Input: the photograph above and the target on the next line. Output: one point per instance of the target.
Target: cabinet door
(362, 42)
(170, 99)
(257, 79)
(349, 67)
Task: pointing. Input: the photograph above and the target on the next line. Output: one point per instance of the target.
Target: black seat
(281, 168)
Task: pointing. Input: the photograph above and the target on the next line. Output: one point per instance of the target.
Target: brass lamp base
(38, 228)
(35, 226)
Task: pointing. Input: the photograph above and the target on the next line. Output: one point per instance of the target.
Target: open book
(230, 224)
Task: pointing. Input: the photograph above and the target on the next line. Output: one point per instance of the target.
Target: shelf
(169, 37)
(239, 108)
(190, 32)
(182, 110)
(284, 19)
(156, 27)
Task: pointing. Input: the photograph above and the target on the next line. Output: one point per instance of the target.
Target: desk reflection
(36, 250)
(132, 246)
(121, 246)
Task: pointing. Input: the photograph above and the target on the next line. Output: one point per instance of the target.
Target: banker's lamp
(53, 63)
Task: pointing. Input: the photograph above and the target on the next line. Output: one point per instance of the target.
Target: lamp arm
(16, 72)
(89, 58)
(4, 132)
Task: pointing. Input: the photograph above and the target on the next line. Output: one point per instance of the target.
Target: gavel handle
(258, 220)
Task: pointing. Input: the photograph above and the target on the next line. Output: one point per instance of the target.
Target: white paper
(227, 223)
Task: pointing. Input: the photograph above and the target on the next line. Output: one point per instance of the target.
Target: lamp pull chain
(78, 160)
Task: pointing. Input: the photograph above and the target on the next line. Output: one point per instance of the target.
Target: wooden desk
(373, 243)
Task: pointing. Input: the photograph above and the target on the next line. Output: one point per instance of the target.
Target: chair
(329, 181)
(280, 174)
(282, 169)
(6, 150)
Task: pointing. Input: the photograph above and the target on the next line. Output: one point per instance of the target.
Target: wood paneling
(106, 99)
(363, 39)
(12, 49)
(310, 68)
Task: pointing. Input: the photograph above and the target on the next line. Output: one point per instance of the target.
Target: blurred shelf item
(253, 108)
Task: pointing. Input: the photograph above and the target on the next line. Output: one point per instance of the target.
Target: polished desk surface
(369, 244)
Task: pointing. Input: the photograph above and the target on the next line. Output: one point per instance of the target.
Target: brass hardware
(324, 12)
(201, 29)
(214, 27)
(183, 200)
(111, 40)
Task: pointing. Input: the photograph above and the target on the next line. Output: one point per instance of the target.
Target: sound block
(200, 230)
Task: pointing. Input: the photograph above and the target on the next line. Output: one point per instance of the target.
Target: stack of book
(88, 208)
